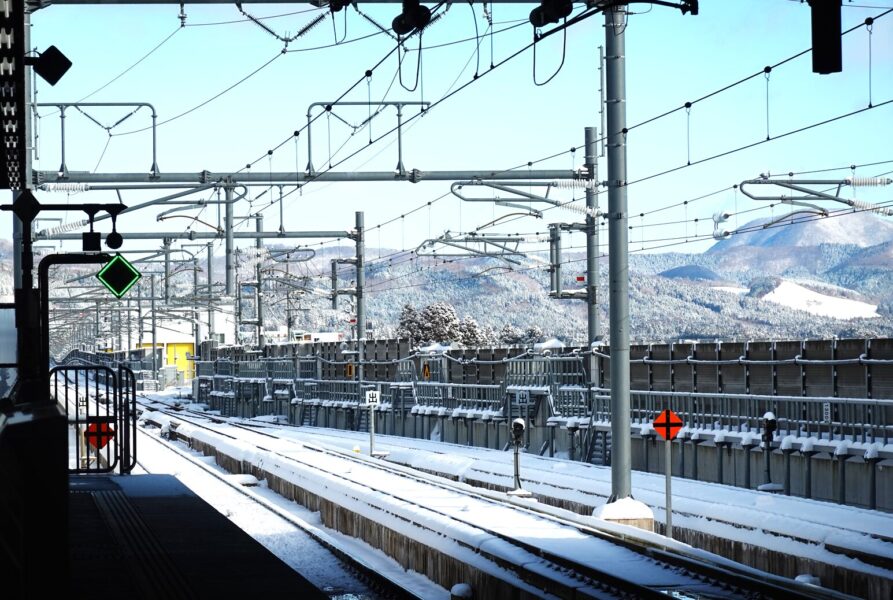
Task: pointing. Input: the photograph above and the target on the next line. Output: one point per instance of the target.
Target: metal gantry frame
(398, 104)
(63, 168)
(617, 216)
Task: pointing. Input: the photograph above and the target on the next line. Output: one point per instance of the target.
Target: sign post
(373, 398)
(667, 425)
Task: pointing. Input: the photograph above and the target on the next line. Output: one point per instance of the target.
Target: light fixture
(826, 42)
(414, 16)
(114, 240)
(550, 11)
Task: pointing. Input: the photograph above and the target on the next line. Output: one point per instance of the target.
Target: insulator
(65, 228)
(310, 26)
(866, 206)
(721, 217)
(721, 234)
(574, 184)
(868, 181)
(65, 187)
(583, 210)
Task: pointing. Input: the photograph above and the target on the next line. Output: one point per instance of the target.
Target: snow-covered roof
(550, 344)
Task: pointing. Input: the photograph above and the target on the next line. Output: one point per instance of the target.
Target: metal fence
(856, 420)
(100, 404)
(562, 387)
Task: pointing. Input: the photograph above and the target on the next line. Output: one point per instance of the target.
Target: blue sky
(501, 120)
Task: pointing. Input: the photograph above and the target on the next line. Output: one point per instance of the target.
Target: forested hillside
(745, 287)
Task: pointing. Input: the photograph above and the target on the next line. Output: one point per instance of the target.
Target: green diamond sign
(118, 275)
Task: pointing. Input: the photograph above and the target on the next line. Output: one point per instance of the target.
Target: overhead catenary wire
(249, 76)
(576, 19)
(762, 71)
(419, 208)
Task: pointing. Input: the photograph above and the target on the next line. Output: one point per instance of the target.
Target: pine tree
(533, 334)
(470, 333)
(439, 323)
(510, 335)
(409, 324)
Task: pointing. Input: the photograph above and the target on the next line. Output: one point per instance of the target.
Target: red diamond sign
(667, 424)
(99, 435)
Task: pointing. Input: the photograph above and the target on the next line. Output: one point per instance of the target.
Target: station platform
(149, 536)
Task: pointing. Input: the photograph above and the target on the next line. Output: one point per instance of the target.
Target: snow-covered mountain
(863, 229)
(789, 284)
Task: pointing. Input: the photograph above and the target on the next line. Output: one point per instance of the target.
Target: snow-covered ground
(798, 297)
(795, 526)
(731, 289)
(785, 523)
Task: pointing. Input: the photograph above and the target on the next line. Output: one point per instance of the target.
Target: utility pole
(592, 237)
(228, 228)
(618, 218)
(154, 330)
(129, 323)
(258, 291)
(198, 340)
(210, 290)
(361, 301)
(166, 245)
(139, 314)
(229, 249)
(118, 327)
(334, 278)
(98, 330)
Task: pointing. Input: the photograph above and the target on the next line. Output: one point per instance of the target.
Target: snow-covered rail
(537, 549)
(334, 563)
(846, 547)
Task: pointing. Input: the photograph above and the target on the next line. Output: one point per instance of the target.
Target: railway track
(798, 527)
(586, 562)
(356, 577)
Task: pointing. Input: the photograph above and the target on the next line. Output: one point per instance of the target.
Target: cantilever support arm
(811, 194)
(460, 243)
(798, 200)
(502, 186)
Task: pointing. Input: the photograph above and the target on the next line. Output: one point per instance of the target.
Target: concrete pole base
(627, 511)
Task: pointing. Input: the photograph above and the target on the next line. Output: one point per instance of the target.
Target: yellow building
(176, 341)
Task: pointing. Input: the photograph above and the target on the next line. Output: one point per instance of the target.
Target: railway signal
(667, 425)
(99, 434)
(118, 275)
